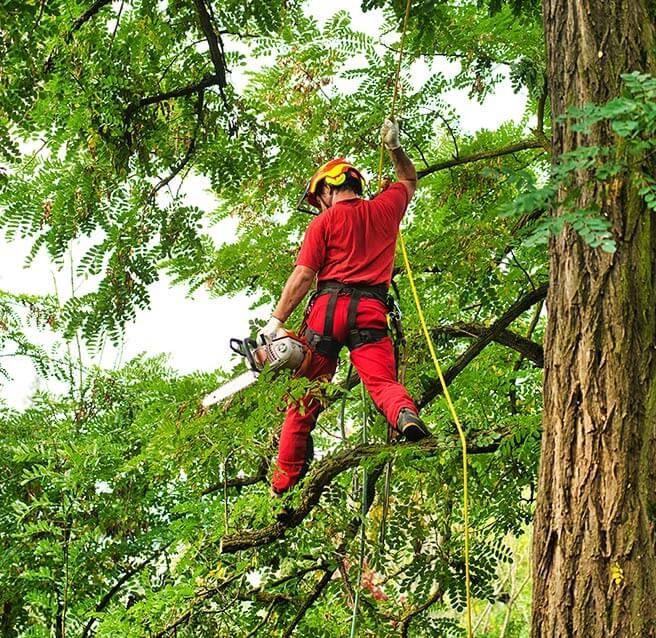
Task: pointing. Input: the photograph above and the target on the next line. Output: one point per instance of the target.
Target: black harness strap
(327, 346)
(353, 334)
(330, 314)
(325, 343)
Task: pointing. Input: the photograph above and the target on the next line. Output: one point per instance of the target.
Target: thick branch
(320, 476)
(215, 44)
(517, 309)
(190, 89)
(86, 16)
(483, 155)
(526, 347)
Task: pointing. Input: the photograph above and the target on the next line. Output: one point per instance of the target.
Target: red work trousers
(377, 369)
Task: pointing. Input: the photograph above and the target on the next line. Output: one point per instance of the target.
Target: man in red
(349, 248)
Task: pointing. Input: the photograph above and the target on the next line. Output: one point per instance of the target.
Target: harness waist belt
(326, 343)
(378, 291)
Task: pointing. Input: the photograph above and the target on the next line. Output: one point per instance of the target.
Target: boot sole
(413, 432)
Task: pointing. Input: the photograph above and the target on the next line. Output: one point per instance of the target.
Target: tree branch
(201, 594)
(519, 307)
(86, 16)
(105, 600)
(190, 89)
(215, 44)
(319, 477)
(264, 620)
(539, 129)
(526, 347)
(482, 155)
(309, 601)
(407, 619)
(190, 149)
(240, 482)
(76, 26)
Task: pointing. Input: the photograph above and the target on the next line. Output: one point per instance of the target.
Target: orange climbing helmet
(334, 173)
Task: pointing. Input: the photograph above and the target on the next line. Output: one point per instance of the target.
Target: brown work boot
(411, 426)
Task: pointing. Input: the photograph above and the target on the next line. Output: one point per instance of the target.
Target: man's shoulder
(317, 223)
(396, 194)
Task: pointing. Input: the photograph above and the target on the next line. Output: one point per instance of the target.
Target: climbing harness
(324, 342)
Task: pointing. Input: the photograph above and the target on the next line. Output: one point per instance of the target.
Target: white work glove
(390, 134)
(271, 331)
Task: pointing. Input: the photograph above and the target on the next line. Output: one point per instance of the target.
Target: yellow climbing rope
(431, 347)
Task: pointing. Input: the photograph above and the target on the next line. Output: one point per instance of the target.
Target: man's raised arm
(403, 166)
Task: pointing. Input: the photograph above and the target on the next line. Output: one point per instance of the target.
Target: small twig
(309, 601)
(42, 5)
(168, 67)
(264, 620)
(241, 482)
(451, 133)
(407, 619)
(106, 599)
(118, 19)
(190, 149)
(519, 265)
(539, 128)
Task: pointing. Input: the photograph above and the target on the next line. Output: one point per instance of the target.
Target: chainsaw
(286, 352)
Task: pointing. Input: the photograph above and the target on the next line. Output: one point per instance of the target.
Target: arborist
(349, 248)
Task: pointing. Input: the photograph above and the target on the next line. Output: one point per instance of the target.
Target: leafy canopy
(127, 510)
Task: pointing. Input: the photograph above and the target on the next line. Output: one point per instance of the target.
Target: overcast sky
(195, 331)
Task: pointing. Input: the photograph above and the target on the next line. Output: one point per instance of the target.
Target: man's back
(354, 241)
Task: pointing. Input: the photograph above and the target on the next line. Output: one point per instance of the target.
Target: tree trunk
(594, 549)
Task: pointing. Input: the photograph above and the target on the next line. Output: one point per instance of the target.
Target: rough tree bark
(594, 541)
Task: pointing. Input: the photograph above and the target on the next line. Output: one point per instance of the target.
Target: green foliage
(19, 313)
(632, 120)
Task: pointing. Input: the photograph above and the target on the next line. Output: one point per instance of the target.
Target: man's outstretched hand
(390, 134)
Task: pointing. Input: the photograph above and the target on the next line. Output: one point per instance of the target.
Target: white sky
(195, 330)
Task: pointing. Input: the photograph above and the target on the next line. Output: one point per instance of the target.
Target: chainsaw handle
(245, 348)
(237, 346)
